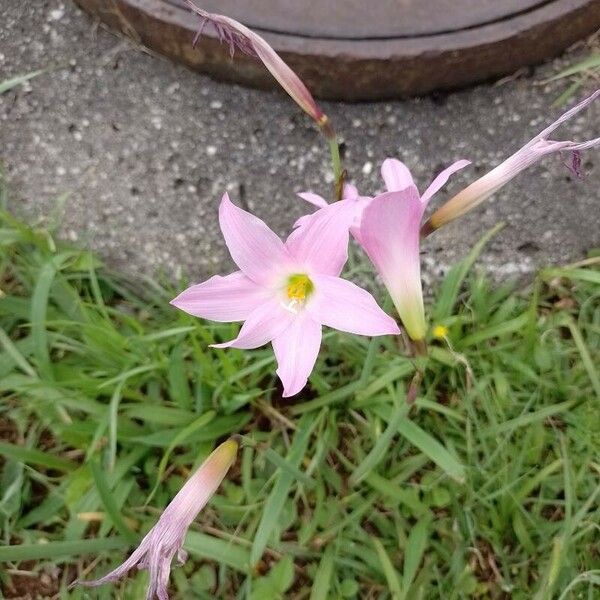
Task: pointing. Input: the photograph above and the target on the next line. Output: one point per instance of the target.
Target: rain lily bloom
(285, 292)
(539, 147)
(389, 234)
(387, 227)
(165, 540)
(239, 37)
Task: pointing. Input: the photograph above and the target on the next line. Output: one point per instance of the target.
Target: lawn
(486, 487)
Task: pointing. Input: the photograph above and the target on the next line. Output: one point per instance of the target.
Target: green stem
(336, 161)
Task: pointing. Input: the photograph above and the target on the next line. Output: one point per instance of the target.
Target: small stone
(57, 14)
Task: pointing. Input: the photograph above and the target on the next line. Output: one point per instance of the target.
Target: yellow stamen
(299, 287)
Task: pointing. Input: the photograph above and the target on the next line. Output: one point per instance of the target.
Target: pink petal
(390, 236)
(315, 199)
(265, 322)
(255, 249)
(320, 244)
(563, 118)
(442, 178)
(396, 175)
(360, 203)
(197, 491)
(229, 298)
(341, 304)
(303, 220)
(296, 351)
(350, 192)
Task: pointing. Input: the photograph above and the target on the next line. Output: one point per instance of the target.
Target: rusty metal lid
(357, 19)
(360, 50)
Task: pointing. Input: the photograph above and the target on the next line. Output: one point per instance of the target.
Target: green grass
(487, 487)
(578, 75)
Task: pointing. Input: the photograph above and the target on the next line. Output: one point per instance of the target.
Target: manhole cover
(357, 50)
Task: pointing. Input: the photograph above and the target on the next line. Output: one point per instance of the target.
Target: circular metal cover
(361, 50)
(357, 19)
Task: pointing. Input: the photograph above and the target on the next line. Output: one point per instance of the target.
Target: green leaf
(55, 550)
(454, 279)
(36, 457)
(322, 582)
(221, 551)
(429, 446)
(281, 489)
(382, 444)
(110, 506)
(9, 84)
(389, 571)
(415, 549)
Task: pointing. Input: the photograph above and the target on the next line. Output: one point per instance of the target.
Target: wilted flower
(491, 182)
(242, 38)
(286, 291)
(165, 540)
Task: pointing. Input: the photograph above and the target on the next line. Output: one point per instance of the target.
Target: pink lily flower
(165, 540)
(532, 152)
(387, 227)
(285, 292)
(389, 234)
(239, 37)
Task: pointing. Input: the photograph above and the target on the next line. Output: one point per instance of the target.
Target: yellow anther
(299, 287)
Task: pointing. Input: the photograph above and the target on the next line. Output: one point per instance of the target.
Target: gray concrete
(145, 149)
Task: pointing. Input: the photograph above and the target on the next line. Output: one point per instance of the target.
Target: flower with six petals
(285, 292)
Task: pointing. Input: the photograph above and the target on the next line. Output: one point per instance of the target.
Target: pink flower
(484, 187)
(350, 207)
(165, 540)
(387, 227)
(389, 234)
(285, 292)
(239, 37)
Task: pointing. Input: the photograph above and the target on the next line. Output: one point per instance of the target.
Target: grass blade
(55, 550)
(281, 489)
(389, 571)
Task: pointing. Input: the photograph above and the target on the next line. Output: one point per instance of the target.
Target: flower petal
(255, 249)
(197, 491)
(396, 175)
(296, 351)
(442, 178)
(320, 243)
(350, 192)
(122, 569)
(314, 199)
(341, 304)
(390, 237)
(265, 322)
(229, 298)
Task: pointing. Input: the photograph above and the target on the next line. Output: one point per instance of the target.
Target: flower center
(299, 287)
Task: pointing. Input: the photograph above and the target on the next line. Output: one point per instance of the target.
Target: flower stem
(338, 176)
(334, 149)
